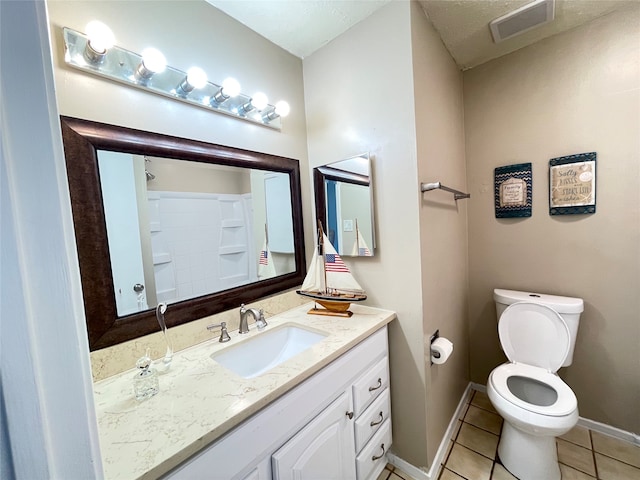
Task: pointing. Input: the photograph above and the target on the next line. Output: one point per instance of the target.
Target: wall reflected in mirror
(179, 229)
(344, 205)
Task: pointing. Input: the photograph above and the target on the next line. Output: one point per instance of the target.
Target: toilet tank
(568, 308)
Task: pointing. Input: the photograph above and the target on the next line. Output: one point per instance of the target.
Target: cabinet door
(261, 472)
(322, 450)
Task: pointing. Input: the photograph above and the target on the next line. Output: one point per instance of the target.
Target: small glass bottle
(145, 381)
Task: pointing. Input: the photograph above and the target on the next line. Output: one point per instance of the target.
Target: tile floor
(583, 454)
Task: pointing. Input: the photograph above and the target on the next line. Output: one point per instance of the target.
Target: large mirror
(344, 205)
(198, 226)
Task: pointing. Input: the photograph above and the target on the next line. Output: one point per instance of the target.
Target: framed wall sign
(512, 189)
(572, 184)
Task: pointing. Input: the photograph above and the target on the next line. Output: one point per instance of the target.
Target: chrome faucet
(258, 316)
(224, 334)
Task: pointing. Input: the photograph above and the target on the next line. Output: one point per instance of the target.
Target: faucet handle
(224, 335)
(261, 322)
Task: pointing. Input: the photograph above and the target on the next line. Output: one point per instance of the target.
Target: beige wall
(572, 93)
(443, 221)
(188, 33)
(347, 114)
(396, 50)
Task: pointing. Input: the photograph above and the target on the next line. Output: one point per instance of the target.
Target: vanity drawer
(372, 419)
(369, 386)
(373, 457)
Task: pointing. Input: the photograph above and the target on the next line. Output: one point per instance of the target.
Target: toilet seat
(565, 403)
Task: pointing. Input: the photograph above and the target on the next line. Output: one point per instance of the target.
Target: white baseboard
(436, 465)
(609, 430)
(434, 471)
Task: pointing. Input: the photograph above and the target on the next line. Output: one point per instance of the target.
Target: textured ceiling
(463, 25)
(299, 26)
(303, 26)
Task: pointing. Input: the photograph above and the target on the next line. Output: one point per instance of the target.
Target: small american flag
(364, 252)
(264, 258)
(334, 263)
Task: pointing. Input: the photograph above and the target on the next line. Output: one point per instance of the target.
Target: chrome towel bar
(457, 194)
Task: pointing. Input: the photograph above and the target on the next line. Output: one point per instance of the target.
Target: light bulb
(260, 101)
(282, 108)
(196, 77)
(153, 60)
(99, 39)
(231, 87)
(100, 36)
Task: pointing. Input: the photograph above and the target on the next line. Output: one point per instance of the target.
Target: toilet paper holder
(431, 340)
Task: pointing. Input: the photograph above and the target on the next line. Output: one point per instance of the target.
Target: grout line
(485, 430)
(593, 455)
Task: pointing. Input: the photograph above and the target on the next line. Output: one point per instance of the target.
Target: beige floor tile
(401, 474)
(489, 421)
(501, 473)
(611, 469)
(468, 463)
(456, 430)
(569, 473)
(478, 440)
(576, 456)
(393, 476)
(384, 475)
(463, 411)
(449, 475)
(578, 435)
(614, 447)
(446, 455)
(481, 399)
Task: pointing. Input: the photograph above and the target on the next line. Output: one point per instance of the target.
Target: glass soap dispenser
(145, 381)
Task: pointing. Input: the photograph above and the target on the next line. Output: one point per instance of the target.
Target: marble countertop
(199, 400)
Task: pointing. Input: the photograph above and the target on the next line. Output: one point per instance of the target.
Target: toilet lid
(534, 334)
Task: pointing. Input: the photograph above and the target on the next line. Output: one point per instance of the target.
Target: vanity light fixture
(95, 53)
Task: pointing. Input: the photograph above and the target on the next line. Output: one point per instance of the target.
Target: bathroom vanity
(326, 409)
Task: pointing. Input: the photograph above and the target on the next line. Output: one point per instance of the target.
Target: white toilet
(537, 333)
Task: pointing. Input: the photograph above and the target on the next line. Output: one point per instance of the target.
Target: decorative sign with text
(572, 184)
(513, 190)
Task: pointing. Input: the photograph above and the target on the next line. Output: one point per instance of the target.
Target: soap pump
(145, 381)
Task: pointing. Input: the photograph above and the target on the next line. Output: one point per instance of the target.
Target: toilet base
(528, 457)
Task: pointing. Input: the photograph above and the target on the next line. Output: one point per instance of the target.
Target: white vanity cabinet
(334, 425)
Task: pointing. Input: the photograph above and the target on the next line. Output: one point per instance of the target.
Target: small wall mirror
(344, 204)
(198, 226)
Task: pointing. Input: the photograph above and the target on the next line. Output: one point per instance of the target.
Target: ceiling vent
(522, 20)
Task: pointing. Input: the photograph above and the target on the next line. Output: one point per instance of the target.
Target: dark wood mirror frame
(82, 139)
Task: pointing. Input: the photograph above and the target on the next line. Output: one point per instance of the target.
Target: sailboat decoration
(329, 281)
(360, 247)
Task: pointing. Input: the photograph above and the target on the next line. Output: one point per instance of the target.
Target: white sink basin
(267, 350)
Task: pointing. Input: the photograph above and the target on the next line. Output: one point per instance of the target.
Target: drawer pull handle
(377, 457)
(373, 424)
(350, 415)
(371, 389)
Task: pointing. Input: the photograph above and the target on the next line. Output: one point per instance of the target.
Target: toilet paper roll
(441, 350)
